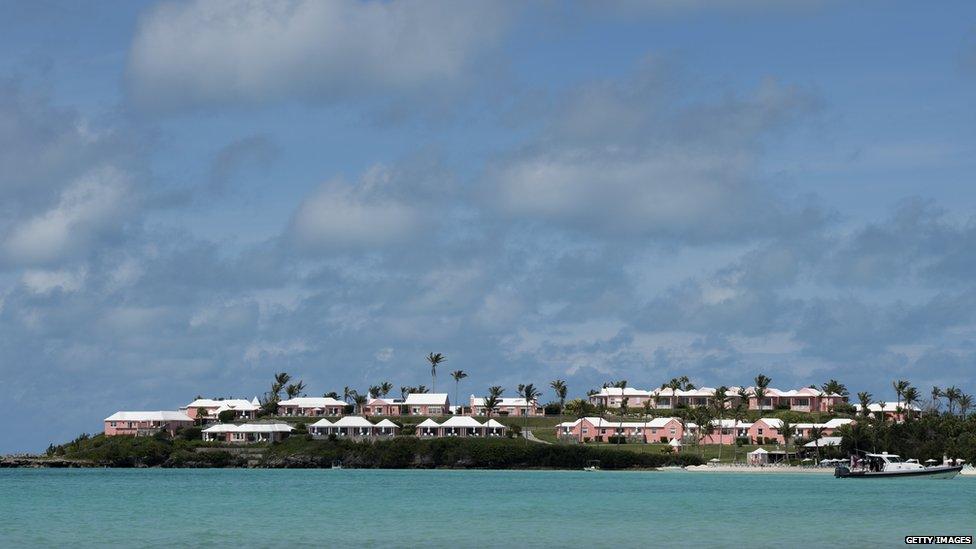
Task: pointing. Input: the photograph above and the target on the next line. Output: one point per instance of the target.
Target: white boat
(592, 465)
(885, 465)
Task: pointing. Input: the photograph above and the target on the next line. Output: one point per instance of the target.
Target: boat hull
(928, 472)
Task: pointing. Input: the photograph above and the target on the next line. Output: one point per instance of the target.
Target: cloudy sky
(194, 195)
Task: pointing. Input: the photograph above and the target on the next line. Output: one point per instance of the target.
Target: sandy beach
(750, 469)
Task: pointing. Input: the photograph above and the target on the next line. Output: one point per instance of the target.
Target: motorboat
(592, 465)
(885, 465)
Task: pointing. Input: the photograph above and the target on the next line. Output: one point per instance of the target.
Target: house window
(673, 431)
(113, 424)
(759, 431)
(603, 431)
(416, 410)
(653, 430)
(585, 430)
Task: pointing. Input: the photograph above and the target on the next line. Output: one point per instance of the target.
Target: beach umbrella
(931, 461)
(714, 460)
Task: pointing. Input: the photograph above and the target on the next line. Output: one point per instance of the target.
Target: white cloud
(366, 214)
(44, 282)
(91, 207)
(218, 50)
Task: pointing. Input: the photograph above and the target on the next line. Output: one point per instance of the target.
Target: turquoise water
(265, 508)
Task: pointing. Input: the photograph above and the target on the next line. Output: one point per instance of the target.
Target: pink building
(209, 409)
(145, 423)
(766, 429)
(383, 407)
(613, 397)
(507, 407)
(806, 399)
(893, 411)
(311, 406)
(248, 433)
(427, 404)
(657, 430)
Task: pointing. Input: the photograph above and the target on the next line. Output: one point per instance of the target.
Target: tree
(911, 397)
(491, 401)
(899, 386)
(835, 387)
(293, 390)
(458, 375)
(346, 393)
(816, 433)
(359, 401)
(719, 401)
(703, 417)
(530, 394)
(762, 384)
(936, 395)
(434, 359)
(559, 387)
(952, 394)
(331, 394)
(675, 385)
(579, 408)
(623, 412)
(865, 398)
(384, 389)
(965, 403)
(786, 430)
(738, 414)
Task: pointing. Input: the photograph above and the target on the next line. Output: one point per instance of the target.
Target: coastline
(772, 470)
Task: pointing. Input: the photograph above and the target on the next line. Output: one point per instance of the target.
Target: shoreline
(791, 469)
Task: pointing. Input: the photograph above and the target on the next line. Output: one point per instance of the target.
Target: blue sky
(194, 195)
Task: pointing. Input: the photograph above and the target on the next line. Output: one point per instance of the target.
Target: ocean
(446, 508)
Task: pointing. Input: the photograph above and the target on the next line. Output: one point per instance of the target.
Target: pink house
(657, 430)
(248, 433)
(507, 407)
(460, 426)
(209, 409)
(383, 407)
(311, 406)
(613, 397)
(806, 399)
(893, 411)
(427, 404)
(765, 429)
(145, 423)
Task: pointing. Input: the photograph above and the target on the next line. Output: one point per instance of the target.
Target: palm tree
(623, 412)
(359, 401)
(421, 389)
(816, 433)
(347, 392)
(835, 387)
(965, 403)
(738, 414)
(578, 408)
(721, 398)
(491, 401)
(675, 385)
(404, 391)
(530, 394)
(911, 397)
(434, 359)
(936, 395)
(786, 430)
(373, 391)
(762, 383)
(899, 386)
(865, 398)
(703, 417)
(295, 389)
(458, 375)
(384, 389)
(952, 394)
(559, 387)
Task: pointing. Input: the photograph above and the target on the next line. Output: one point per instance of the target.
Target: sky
(195, 195)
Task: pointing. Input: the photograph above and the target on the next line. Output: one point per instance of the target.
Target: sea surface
(377, 508)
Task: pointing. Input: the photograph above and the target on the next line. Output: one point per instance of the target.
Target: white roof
(759, 451)
(384, 401)
(149, 416)
(837, 422)
(311, 402)
(461, 421)
(494, 424)
(601, 422)
(352, 421)
(626, 391)
(674, 442)
(250, 428)
(515, 401)
(322, 423)
(888, 407)
(773, 422)
(824, 441)
(225, 404)
(429, 399)
(428, 423)
(387, 423)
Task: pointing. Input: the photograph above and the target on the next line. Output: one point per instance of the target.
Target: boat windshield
(893, 459)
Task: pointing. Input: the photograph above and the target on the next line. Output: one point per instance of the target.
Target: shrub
(227, 416)
(190, 433)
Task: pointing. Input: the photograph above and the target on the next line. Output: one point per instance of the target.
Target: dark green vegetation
(929, 436)
(398, 453)
(409, 452)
